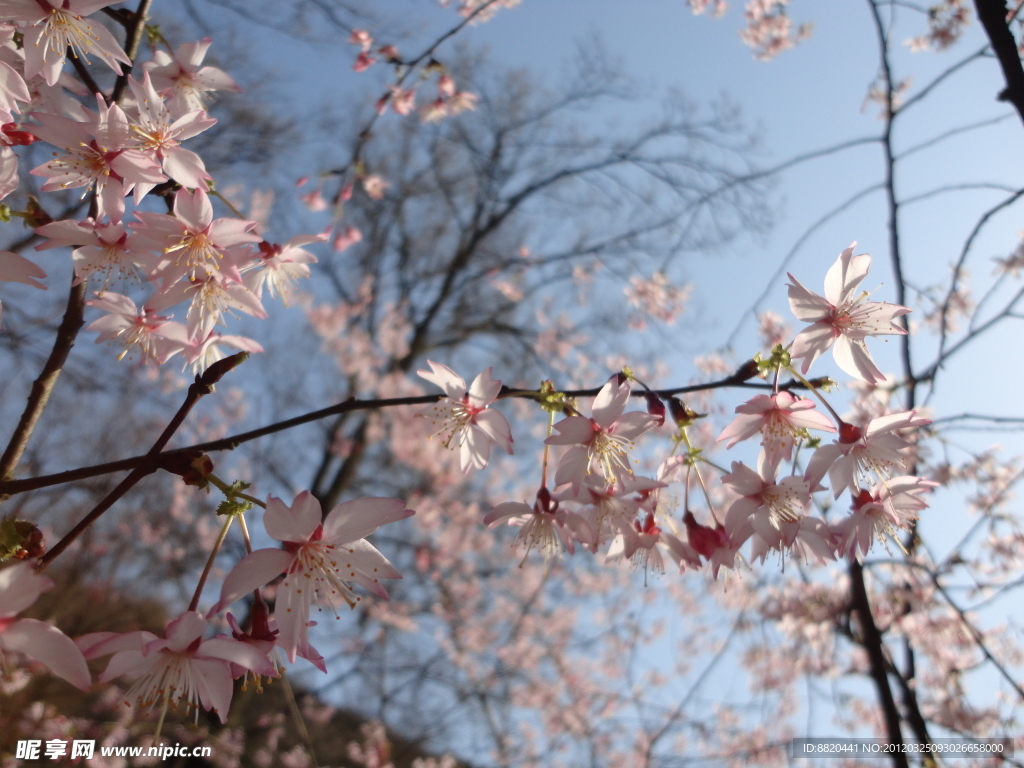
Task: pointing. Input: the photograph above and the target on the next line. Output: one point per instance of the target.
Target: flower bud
(20, 540)
(655, 406)
(747, 371)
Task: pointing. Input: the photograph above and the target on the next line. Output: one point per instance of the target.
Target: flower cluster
(212, 267)
(598, 502)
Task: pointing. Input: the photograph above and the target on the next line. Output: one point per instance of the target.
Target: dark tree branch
(993, 14)
(12, 487)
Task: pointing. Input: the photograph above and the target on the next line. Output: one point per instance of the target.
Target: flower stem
(209, 563)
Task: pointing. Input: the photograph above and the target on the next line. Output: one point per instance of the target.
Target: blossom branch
(13, 487)
(74, 314)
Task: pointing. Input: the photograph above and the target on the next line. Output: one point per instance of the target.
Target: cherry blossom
(319, 559)
(156, 338)
(193, 243)
(156, 132)
(882, 511)
(56, 26)
(779, 418)
(604, 440)
(279, 266)
(842, 319)
(463, 416)
(645, 545)
(181, 78)
(546, 525)
(179, 666)
(20, 586)
(608, 506)
(104, 248)
(864, 456)
(97, 153)
(781, 501)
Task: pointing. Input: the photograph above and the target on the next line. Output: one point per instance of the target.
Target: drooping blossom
(57, 25)
(883, 511)
(104, 248)
(645, 546)
(278, 266)
(546, 525)
(180, 667)
(779, 418)
(155, 337)
(782, 501)
(866, 455)
(604, 440)
(362, 38)
(842, 319)
(210, 297)
(607, 506)
(321, 556)
(463, 417)
(20, 587)
(363, 62)
(183, 80)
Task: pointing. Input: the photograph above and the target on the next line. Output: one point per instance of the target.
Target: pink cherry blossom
(96, 153)
(105, 248)
(210, 297)
(842, 319)
(346, 238)
(883, 511)
(55, 26)
(464, 418)
(645, 545)
(865, 456)
(603, 441)
(158, 133)
(546, 525)
(193, 243)
(363, 62)
(180, 666)
(780, 502)
(362, 38)
(375, 186)
(778, 418)
(156, 338)
(279, 266)
(319, 559)
(608, 506)
(183, 80)
(20, 586)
